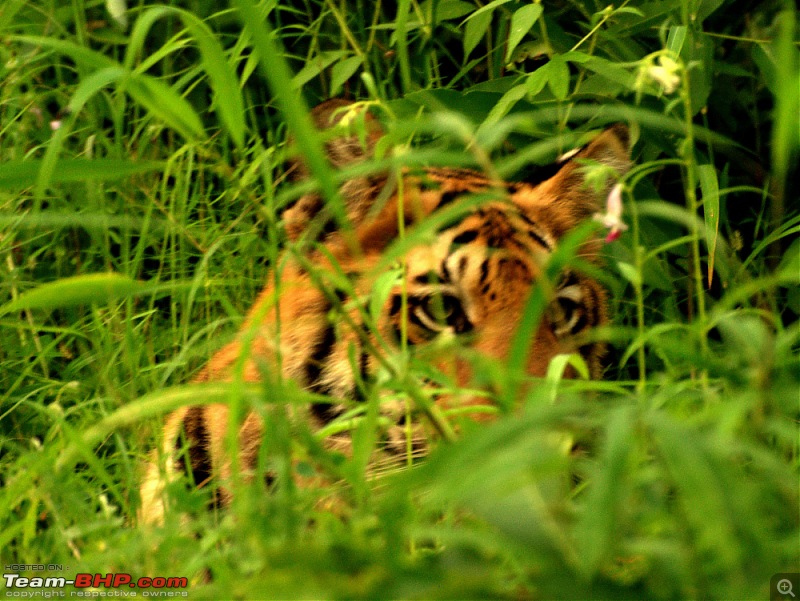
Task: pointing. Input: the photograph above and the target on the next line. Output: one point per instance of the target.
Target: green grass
(135, 234)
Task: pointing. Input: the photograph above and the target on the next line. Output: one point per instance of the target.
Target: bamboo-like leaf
(486, 9)
(88, 220)
(503, 106)
(709, 185)
(676, 38)
(91, 84)
(316, 66)
(402, 43)
(344, 70)
(786, 127)
(521, 22)
(93, 288)
(558, 80)
(630, 273)
(538, 79)
(381, 290)
(477, 26)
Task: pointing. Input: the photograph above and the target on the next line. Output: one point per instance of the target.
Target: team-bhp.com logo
(122, 585)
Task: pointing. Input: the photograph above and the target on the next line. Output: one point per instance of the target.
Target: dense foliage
(142, 148)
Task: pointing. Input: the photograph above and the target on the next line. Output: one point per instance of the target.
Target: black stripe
(463, 173)
(315, 363)
(448, 198)
(512, 241)
(363, 369)
(533, 233)
(313, 372)
(447, 277)
(484, 270)
(325, 412)
(465, 237)
(194, 428)
(462, 265)
(397, 299)
(569, 278)
(329, 227)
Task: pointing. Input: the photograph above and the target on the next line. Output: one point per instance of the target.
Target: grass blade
(22, 174)
(96, 288)
(228, 100)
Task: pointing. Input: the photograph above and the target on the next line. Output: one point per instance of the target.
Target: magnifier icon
(785, 587)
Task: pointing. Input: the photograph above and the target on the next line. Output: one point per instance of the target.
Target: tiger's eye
(441, 308)
(445, 309)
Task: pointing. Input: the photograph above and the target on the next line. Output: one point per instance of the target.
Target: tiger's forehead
(497, 232)
(506, 226)
(493, 230)
(502, 208)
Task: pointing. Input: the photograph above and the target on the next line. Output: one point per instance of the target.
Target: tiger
(468, 281)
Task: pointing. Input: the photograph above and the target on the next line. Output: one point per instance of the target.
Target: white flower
(612, 218)
(665, 74)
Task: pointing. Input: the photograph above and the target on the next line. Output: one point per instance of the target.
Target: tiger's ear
(355, 133)
(580, 187)
(611, 148)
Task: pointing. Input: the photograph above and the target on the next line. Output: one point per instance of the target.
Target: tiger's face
(474, 282)
(466, 281)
